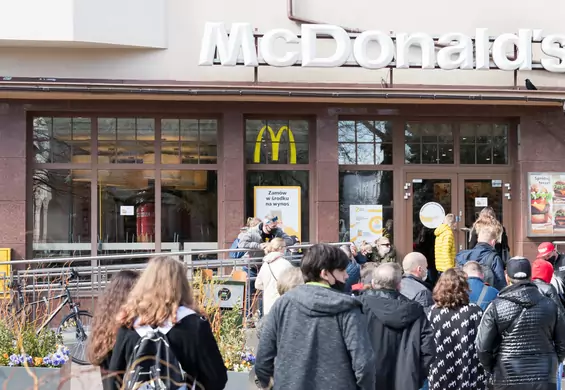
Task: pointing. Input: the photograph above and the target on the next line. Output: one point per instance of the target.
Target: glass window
(428, 143)
(126, 140)
(483, 143)
(281, 178)
(364, 188)
(364, 142)
(276, 141)
(61, 140)
(189, 206)
(189, 141)
(61, 213)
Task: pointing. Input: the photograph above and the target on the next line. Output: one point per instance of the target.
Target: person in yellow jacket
(445, 244)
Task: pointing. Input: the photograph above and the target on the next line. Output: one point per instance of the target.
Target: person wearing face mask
(385, 252)
(486, 255)
(317, 334)
(413, 284)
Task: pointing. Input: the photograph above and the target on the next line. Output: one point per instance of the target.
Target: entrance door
(463, 195)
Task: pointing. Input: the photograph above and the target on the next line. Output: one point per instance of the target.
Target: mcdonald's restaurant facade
(111, 159)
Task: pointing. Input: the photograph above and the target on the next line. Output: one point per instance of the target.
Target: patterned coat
(456, 365)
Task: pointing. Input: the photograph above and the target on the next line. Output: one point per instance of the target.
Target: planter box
(239, 381)
(48, 378)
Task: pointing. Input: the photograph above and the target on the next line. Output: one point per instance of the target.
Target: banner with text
(366, 223)
(282, 202)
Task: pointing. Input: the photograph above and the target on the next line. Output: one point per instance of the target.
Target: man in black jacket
(400, 333)
(521, 338)
(413, 285)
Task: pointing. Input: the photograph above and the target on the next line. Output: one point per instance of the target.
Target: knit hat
(519, 268)
(542, 269)
(545, 248)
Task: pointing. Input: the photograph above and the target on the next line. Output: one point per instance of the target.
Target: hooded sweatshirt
(319, 339)
(401, 337)
(444, 248)
(274, 265)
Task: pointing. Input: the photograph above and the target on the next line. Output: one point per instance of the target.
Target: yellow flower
(5, 356)
(37, 361)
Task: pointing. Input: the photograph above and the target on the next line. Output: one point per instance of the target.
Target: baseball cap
(519, 268)
(542, 269)
(545, 248)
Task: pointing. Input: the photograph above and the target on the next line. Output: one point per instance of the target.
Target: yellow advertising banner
(275, 141)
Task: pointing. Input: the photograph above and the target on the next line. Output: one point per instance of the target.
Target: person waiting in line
(162, 298)
(521, 336)
(274, 265)
(366, 278)
(548, 251)
(353, 268)
(480, 293)
(385, 252)
(445, 244)
(104, 324)
(399, 331)
(487, 216)
(315, 333)
(542, 273)
(455, 323)
(485, 254)
(413, 284)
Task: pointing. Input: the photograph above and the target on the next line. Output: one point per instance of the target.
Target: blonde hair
(289, 279)
(275, 245)
(488, 231)
(161, 289)
(252, 222)
(487, 217)
(449, 219)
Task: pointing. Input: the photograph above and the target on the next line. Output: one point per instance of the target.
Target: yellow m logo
(275, 140)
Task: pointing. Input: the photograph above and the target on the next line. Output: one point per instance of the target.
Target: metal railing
(41, 277)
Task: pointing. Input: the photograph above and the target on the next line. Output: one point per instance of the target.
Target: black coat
(521, 338)
(401, 337)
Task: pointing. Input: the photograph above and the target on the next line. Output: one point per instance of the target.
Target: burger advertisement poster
(547, 204)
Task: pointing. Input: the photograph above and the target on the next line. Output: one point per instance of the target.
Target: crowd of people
(352, 317)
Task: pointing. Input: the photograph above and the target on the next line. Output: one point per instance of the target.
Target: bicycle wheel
(75, 331)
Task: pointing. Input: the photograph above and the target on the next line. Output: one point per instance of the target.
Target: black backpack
(153, 365)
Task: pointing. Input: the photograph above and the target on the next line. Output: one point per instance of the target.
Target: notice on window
(547, 204)
(366, 223)
(281, 202)
(127, 210)
(481, 202)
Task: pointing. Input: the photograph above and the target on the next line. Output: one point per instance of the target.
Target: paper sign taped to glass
(366, 223)
(282, 202)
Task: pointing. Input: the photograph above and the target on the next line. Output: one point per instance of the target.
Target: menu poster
(547, 204)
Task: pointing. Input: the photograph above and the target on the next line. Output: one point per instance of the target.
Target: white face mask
(425, 276)
(384, 250)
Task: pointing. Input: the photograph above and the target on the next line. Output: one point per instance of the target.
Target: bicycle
(74, 320)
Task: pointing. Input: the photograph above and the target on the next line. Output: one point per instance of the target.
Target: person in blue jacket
(353, 268)
(480, 293)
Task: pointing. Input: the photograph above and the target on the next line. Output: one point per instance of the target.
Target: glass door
(430, 197)
(480, 191)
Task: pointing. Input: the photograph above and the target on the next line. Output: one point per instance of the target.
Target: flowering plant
(56, 359)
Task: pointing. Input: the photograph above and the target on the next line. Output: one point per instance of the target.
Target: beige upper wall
(185, 24)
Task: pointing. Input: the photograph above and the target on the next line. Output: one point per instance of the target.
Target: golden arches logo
(275, 140)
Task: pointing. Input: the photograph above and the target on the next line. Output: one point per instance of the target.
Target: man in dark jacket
(521, 338)
(400, 333)
(485, 254)
(317, 334)
(413, 285)
(542, 272)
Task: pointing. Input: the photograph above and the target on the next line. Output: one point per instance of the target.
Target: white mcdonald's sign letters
(460, 52)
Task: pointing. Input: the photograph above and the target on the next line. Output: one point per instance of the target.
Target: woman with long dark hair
(105, 326)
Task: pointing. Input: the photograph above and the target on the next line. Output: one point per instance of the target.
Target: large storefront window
(61, 212)
(276, 141)
(61, 140)
(365, 188)
(428, 143)
(126, 140)
(189, 141)
(365, 142)
(483, 143)
(279, 179)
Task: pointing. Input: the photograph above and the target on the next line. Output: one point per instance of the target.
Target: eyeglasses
(385, 244)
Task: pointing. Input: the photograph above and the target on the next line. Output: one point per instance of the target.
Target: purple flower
(47, 360)
(15, 360)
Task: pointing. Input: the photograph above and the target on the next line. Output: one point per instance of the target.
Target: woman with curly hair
(104, 326)
(162, 298)
(455, 322)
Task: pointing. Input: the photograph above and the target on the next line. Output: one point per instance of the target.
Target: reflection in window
(365, 142)
(189, 141)
(428, 143)
(126, 140)
(484, 143)
(61, 140)
(189, 206)
(61, 213)
(364, 188)
(276, 141)
(280, 178)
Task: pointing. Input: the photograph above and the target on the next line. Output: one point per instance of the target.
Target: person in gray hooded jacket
(316, 332)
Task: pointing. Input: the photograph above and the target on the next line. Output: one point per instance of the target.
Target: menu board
(547, 204)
